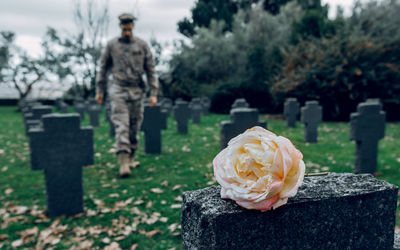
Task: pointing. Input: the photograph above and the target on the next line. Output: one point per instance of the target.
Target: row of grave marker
(56, 140)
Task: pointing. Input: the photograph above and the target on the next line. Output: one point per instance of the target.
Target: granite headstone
(182, 115)
(367, 127)
(291, 111)
(61, 148)
(241, 120)
(153, 123)
(311, 116)
(338, 211)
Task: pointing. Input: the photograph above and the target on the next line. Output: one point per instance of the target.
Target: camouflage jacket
(127, 61)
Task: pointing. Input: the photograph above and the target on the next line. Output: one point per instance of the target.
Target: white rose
(259, 170)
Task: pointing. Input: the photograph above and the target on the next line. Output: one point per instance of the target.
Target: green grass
(112, 204)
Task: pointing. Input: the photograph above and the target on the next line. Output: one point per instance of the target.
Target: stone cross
(94, 110)
(196, 108)
(33, 119)
(61, 105)
(206, 103)
(166, 105)
(108, 118)
(367, 127)
(153, 123)
(337, 211)
(241, 120)
(80, 107)
(291, 110)
(182, 116)
(311, 116)
(61, 148)
(240, 103)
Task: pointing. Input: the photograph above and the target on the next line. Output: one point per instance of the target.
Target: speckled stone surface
(338, 211)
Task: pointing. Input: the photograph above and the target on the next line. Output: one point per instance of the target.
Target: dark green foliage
(362, 60)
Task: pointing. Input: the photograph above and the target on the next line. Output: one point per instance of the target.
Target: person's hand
(152, 101)
(99, 98)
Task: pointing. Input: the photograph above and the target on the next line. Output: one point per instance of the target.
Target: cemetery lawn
(143, 211)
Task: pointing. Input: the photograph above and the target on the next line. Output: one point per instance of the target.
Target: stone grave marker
(240, 103)
(291, 111)
(367, 127)
(241, 120)
(33, 119)
(182, 115)
(26, 108)
(80, 107)
(206, 104)
(61, 148)
(311, 116)
(337, 211)
(196, 109)
(94, 110)
(166, 105)
(153, 123)
(108, 118)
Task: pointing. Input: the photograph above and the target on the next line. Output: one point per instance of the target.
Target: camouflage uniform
(127, 61)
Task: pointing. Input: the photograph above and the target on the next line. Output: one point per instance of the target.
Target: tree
(17, 68)
(80, 53)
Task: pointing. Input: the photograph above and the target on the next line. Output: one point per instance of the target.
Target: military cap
(126, 18)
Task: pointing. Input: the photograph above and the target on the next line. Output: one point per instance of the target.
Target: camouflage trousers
(127, 117)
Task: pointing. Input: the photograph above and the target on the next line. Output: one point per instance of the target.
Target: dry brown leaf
(164, 219)
(3, 237)
(164, 183)
(85, 244)
(152, 233)
(157, 190)
(91, 213)
(138, 202)
(17, 243)
(178, 199)
(173, 227)
(176, 206)
(149, 179)
(2, 152)
(176, 187)
(113, 195)
(149, 204)
(119, 238)
(18, 209)
(106, 240)
(8, 191)
(29, 232)
(134, 246)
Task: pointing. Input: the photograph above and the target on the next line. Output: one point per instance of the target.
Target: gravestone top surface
(240, 103)
(313, 189)
(369, 107)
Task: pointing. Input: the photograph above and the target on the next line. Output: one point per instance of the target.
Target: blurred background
(337, 52)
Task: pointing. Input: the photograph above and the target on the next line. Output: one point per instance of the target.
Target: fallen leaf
(106, 240)
(3, 236)
(176, 206)
(113, 246)
(8, 191)
(138, 202)
(152, 233)
(134, 246)
(17, 243)
(157, 190)
(173, 227)
(164, 183)
(113, 195)
(149, 204)
(178, 199)
(164, 219)
(185, 148)
(4, 169)
(176, 187)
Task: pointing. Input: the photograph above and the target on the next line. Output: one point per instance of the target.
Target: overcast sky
(158, 18)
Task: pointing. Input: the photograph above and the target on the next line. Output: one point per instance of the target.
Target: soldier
(128, 58)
